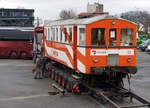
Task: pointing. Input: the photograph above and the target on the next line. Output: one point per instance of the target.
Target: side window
(98, 36)
(45, 31)
(56, 34)
(112, 37)
(53, 34)
(71, 36)
(126, 37)
(65, 35)
(61, 36)
(82, 36)
(48, 34)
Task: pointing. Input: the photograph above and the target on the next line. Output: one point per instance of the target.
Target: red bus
(16, 42)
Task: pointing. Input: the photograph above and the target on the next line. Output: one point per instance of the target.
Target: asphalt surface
(140, 83)
(18, 89)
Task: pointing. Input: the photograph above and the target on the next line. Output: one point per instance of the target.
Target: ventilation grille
(113, 60)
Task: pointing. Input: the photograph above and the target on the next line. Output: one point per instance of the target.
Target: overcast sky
(49, 9)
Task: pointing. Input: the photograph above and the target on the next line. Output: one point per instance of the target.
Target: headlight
(95, 60)
(129, 60)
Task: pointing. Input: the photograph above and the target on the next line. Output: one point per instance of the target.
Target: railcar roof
(78, 21)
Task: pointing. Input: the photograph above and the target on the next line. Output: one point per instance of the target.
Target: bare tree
(67, 14)
(142, 17)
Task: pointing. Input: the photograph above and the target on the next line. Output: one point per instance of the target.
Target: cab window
(112, 37)
(98, 36)
(126, 37)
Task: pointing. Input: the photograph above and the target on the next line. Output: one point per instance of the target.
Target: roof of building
(9, 9)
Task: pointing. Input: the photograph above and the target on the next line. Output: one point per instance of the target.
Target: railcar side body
(92, 45)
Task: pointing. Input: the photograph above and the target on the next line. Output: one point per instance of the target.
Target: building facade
(149, 29)
(94, 8)
(17, 17)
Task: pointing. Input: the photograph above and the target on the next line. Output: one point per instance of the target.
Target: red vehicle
(16, 43)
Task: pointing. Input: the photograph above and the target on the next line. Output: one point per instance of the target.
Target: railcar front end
(109, 45)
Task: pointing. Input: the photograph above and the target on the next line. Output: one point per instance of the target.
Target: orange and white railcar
(92, 45)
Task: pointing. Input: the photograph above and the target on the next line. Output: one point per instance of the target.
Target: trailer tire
(53, 75)
(13, 55)
(57, 77)
(64, 82)
(49, 72)
(24, 55)
(69, 86)
(61, 79)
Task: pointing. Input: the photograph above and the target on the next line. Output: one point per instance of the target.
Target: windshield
(144, 38)
(147, 41)
(98, 36)
(126, 37)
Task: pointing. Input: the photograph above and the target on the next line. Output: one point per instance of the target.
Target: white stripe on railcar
(70, 50)
(61, 55)
(82, 51)
(81, 66)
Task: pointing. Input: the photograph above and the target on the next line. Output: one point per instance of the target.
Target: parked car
(148, 49)
(144, 45)
(141, 39)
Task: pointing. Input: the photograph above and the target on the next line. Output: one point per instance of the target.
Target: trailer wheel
(64, 82)
(69, 86)
(61, 79)
(24, 55)
(57, 77)
(49, 72)
(53, 75)
(13, 55)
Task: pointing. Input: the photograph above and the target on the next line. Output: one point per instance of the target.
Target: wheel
(53, 75)
(58, 80)
(64, 82)
(13, 55)
(143, 50)
(57, 77)
(24, 55)
(69, 86)
(49, 73)
(61, 79)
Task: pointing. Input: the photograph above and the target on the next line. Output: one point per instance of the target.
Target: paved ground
(141, 81)
(18, 89)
